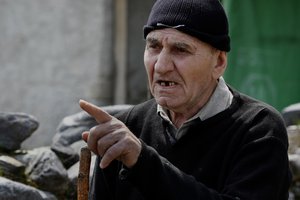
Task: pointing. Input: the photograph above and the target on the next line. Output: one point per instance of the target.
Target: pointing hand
(110, 139)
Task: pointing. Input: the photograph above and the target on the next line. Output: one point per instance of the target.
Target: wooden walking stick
(83, 174)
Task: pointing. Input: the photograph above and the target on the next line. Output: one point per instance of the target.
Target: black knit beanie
(203, 19)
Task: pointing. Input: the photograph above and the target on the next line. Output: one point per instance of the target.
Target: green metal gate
(265, 58)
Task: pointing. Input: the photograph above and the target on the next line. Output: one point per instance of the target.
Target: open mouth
(166, 83)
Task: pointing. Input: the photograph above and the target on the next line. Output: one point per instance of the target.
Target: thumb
(85, 136)
(100, 115)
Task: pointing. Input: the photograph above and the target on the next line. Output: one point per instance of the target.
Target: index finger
(100, 115)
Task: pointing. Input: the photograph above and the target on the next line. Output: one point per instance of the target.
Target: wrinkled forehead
(172, 35)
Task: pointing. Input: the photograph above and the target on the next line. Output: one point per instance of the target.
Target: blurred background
(55, 52)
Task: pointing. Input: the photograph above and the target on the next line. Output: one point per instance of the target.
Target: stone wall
(48, 172)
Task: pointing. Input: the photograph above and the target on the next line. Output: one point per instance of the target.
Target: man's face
(182, 71)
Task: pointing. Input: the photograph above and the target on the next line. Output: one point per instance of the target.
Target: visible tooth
(163, 83)
(166, 83)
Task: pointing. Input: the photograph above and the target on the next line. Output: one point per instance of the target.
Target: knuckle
(116, 125)
(92, 130)
(110, 154)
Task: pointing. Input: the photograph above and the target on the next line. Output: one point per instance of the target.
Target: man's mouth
(166, 83)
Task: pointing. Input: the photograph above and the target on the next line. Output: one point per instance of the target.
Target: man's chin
(165, 102)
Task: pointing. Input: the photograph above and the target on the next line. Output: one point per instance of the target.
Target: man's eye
(181, 50)
(153, 46)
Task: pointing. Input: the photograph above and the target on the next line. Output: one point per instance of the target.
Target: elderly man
(198, 138)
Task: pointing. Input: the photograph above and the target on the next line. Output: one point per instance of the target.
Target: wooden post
(83, 174)
(120, 51)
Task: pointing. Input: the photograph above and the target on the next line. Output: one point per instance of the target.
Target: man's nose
(164, 62)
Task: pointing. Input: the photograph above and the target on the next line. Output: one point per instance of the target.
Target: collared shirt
(219, 101)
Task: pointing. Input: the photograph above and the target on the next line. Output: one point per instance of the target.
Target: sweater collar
(219, 101)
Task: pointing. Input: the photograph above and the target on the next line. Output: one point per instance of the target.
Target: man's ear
(221, 64)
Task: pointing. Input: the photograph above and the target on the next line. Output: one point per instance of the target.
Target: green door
(265, 58)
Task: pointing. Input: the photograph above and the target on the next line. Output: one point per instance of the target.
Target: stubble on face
(178, 68)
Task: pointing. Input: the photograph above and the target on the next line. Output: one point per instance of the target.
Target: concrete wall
(51, 55)
(54, 52)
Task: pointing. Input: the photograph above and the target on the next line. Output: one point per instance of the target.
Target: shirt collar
(219, 101)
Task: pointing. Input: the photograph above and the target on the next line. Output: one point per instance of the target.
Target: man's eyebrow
(151, 40)
(179, 45)
(183, 45)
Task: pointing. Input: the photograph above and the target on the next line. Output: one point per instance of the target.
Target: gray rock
(12, 169)
(15, 128)
(69, 132)
(10, 190)
(45, 170)
(78, 145)
(294, 160)
(76, 120)
(291, 114)
(294, 138)
(66, 154)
